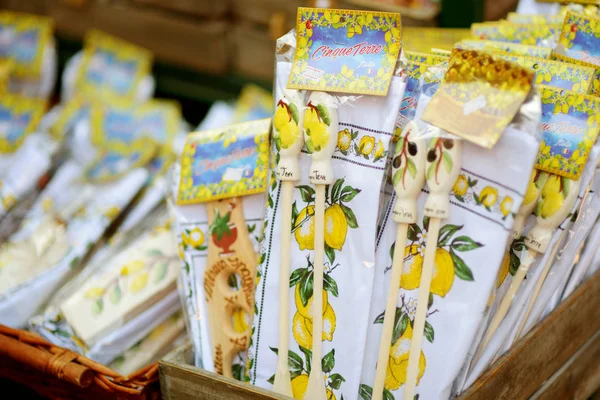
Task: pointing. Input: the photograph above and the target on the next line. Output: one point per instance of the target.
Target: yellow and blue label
(19, 116)
(569, 127)
(345, 51)
(222, 163)
(529, 34)
(580, 38)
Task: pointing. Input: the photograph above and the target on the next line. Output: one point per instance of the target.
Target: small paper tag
(345, 51)
(111, 67)
(505, 47)
(19, 116)
(23, 38)
(457, 106)
(228, 162)
(579, 38)
(577, 78)
(570, 124)
(530, 34)
(426, 58)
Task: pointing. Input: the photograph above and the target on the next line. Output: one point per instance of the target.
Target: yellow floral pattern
(366, 147)
(468, 190)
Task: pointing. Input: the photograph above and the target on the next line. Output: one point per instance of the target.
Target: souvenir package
(217, 201)
(338, 221)
(27, 43)
(506, 47)
(528, 34)
(482, 200)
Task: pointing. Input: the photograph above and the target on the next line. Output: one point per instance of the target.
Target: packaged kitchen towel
(487, 193)
(504, 336)
(365, 128)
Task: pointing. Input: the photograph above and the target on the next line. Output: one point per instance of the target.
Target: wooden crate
(558, 359)
(194, 43)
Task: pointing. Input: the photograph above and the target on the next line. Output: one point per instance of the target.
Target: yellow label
(19, 116)
(506, 47)
(423, 39)
(227, 162)
(530, 34)
(479, 96)
(345, 51)
(429, 59)
(111, 67)
(595, 88)
(535, 18)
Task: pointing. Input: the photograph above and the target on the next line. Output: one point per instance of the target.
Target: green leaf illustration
(446, 234)
(538, 208)
(380, 318)
(348, 193)
(465, 243)
(330, 285)
(476, 198)
(328, 361)
(425, 222)
(330, 254)
(220, 225)
(472, 182)
(387, 395)
(413, 233)
(461, 269)
(398, 176)
(309, 144)
(429, 334)
(400, 323)
(515, 263)
(335, 381)
(238, 371)
(200, 248)
(430, 171)
(430, 301)
(97, 306)
(154, 253)
(115, 294)
(294, 361)
(294, 213)
(307, 193)
(251, 228)
(447, 160)
(460, 198)
(336, 190)
(271, 380)
(412, 168)
(160, 272)
(278, 143)
(365, 392)
(350, 217)
(297, 276)
(324, 114)
(306, 288)
(308, 357)
(294, 112)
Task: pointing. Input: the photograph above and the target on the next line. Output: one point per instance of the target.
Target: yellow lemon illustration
(302, 331)
(329, 323)
(240, 324)
(93, 293)
(344, 140)
(316, 130)
(133, 267)
(306, 311)
(551, 204)
(443, 273)
(411, 271)
(289, 134)
(398, 362)
(336, 227)
(461, 186)
(185, 239)
(181, 253)
(281, 117)
(139, 282)
(532, 193)
(8, 201)
(112, 212)
(196, 238)
(488, 196)
(47, 204)
(506, 205)
(366, 145)
(379, 149)
(503, 270)
(330, 395)
(552, 186)
(305, 234)
(299, 385)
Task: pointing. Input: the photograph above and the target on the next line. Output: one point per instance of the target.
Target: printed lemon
(132, 267)
(344, 140)
(379, 150)
(330, 395)
(8, 201)
(506, 205)
(299, 385)
(398, 362)
(532, 193)
(302, 331)
(93, 293)
(196, 238)
(281, 117)
(336, 227)
(315, 129)
(112, 212)
(288, 134)
(305, 233)
(443, 273)
(551, 204)
(181, 252)
(552, 186)
(366, 145)
(306, 311)
(488, 196)
(47, 204)
(411, 271)
(240, 324)
(460, 186)
(503, 270)
(139, 282)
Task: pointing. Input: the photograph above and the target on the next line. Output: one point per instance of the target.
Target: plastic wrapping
(43, 86)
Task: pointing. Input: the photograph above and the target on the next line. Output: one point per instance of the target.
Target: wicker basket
(58, 373)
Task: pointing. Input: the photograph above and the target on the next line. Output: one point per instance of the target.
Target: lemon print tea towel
(365, 128)
(469, 253)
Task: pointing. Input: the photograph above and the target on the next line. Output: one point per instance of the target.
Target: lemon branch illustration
(300, 370)
(316, 122)
(440, 156)
(403, 149)
(366, 147)
(285, 122)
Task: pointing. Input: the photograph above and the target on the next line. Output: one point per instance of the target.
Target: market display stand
(558, 359)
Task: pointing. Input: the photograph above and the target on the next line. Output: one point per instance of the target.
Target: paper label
(570, 124)
(576, 78)
(595, 88)
(505, 47)
(426, 58)
(530, 34)
(125, 129)
(419, 38)
(19, 116)
(517, 18)
(111, 67)
(228, 162)
(23, 38)
(345, 51)
(471, 75)
(580, 38)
